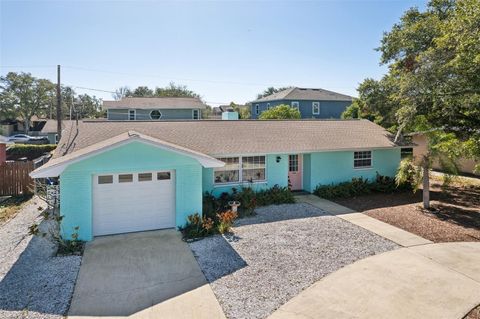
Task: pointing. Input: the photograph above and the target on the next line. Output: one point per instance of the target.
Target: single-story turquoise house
(125, 176)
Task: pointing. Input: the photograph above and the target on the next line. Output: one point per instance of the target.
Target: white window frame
(317, 105)
(257, 109)
(150, 114)
(134, 114)
(295, 103)
(240, 172)
(363, 167)
(198, 114)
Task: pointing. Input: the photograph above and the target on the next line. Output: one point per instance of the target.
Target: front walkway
(421, 280)
(428, 281)
(142, 275)
(395, 234)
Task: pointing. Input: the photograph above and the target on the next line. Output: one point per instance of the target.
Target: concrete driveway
(142, 275)
(427, 281)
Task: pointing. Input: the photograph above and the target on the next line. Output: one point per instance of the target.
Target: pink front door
(295, 172)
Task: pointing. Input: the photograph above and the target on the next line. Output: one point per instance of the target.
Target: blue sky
(225, 51)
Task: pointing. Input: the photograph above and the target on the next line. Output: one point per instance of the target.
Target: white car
(24, 138)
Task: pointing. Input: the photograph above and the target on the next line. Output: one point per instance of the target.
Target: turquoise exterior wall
(328, 109)
(277, 174)
(230, 116)
(144, 114)
(76, 182)
(335, 167)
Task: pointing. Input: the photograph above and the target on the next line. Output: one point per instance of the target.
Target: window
(406, 152)
(105, 179)
(240, 169)
(196, 114)
(316, 108)
(125, 178)
(268, 106)
(293, 163)
(229, 173)
(56, 138)
(131, 115)
(257, 109)
(144, 177)
(163, 176)
(362, 159)
(253, 168)
(296, 105)
(155, 115)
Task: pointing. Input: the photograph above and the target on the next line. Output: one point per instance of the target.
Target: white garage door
(130, 202)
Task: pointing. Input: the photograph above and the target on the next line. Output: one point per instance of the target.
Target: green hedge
(248, 198)
(359, 186)
(30, 151)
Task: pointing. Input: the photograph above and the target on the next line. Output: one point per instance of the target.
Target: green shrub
(359, 186)
(29, 151)
(197, 227)
(248, 198)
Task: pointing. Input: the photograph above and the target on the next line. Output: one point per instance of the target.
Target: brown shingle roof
(296, 93)
(155, 102)
(51, 126)
(238, 137)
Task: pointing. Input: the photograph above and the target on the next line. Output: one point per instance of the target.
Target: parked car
(24, 138)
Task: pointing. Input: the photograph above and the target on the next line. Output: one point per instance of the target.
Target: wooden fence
(14, 178)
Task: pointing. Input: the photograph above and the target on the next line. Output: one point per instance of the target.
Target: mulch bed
(454, 214)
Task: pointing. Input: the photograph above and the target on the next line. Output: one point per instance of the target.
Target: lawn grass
(11, 206)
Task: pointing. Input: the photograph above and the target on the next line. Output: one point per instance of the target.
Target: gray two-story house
(154, 108)
(312, 103)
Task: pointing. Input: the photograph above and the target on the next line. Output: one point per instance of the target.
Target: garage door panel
(133, 206)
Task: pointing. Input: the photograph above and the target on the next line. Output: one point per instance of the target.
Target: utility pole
(59, 105)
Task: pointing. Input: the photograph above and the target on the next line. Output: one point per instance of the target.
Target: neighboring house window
(241, 169)
(406, 152)
(56, 138)
(131, 115)
(257, 109)
(362, 159)
(316, 108)
(268, 106)
(155, 115)
(196, 114)
(296, 105)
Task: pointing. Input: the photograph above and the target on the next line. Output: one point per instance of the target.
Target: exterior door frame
(298, 185)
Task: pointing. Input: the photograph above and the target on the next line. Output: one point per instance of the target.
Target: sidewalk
(395, 234)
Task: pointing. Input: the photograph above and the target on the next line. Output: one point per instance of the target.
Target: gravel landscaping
(33, 283)
(276, 254)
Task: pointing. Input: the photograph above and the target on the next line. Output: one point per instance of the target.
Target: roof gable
(57, 165)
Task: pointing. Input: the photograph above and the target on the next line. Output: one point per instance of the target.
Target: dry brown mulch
(474, 314)
(455, 213)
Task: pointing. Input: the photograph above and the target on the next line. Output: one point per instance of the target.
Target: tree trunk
(26, 124)
(426, 184)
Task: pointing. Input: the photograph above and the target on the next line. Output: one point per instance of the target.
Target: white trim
(313, 108)
(198, 114)
(363, 167)
(308, 152)
(296, 102)
(257, 109)
(240, 173)
(134, 114)
(150, 115)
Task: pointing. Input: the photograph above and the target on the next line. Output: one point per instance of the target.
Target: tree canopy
(280, 112)
(171, 90)
(434, 73)
(271, 90)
